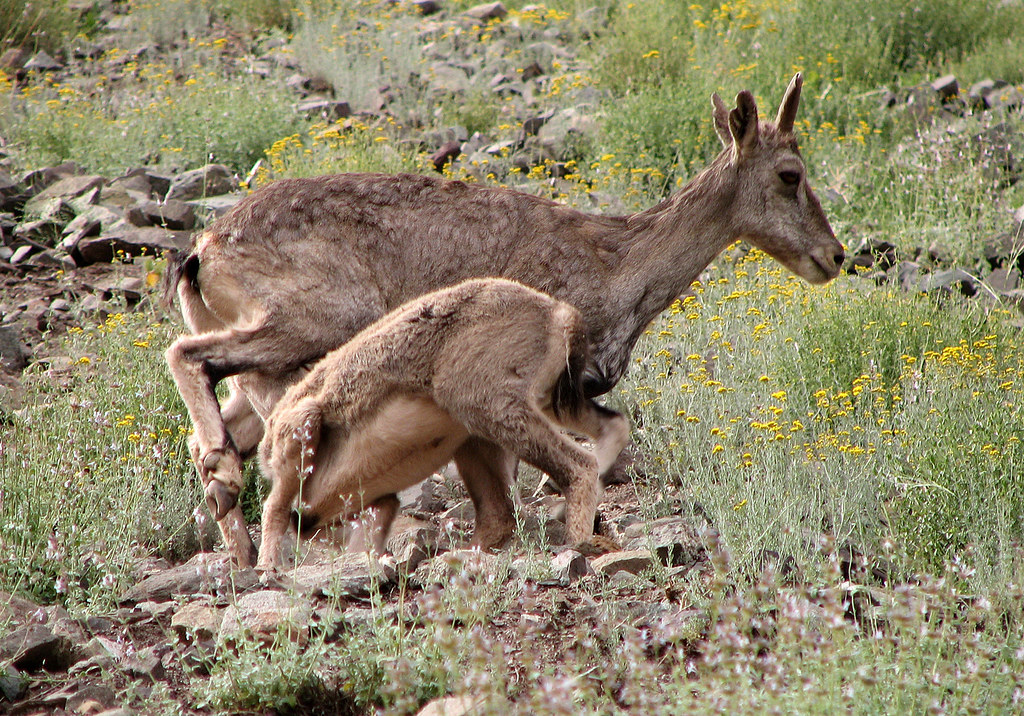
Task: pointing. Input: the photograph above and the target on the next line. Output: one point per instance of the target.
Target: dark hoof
(220, 499)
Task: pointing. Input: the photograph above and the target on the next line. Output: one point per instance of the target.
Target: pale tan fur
(487, 358)
(301, 265)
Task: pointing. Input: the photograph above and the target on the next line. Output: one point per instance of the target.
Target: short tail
(180, 264)
(568, 396)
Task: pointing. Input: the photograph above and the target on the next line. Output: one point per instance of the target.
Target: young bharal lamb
(488, 361)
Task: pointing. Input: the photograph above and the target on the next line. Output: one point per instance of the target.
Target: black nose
(839, 257)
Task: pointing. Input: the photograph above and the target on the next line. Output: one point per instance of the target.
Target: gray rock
(147, 663)
(565, 134)
(206, 573)
(43, 62)
(90, 696)
(442, 568)
(907, 272)
(630, 561)
(213, 206)
(347, 575)
(171, 214)
(1003, 280)
(33, 646)
(265, 613)
(946, 87)
(65, 188)
(88, 223)
(13, 684)
(948, 281)
(131, 241)
(209, 180)
(569, 565)
(1007, 97)
(413, 545)
(13, 356)
(328, 109)
(21, 254)
(487, 11)
(675, 540)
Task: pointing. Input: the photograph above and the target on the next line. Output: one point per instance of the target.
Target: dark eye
(790, 178)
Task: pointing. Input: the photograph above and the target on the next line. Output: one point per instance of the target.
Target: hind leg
(489, 472)
(196, 364)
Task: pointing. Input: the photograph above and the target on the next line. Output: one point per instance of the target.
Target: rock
(213, 206)
(131, 241)
(412, 545)
(442, 568)
(947, 281)
(1006, 97)
(13, 684)
(12, 608)
(205, 573)
(89, 223)
(33, 646)
(328, 109)
(38, 179)
(347, 575)
(91, 698)
(425, 7)
(171, 214)
(65, 188)
(1004, 280)
(42, 62)
(1006, 249)
(569, 565)
(13, 59)
(565, 134)
(421, 497)
(630, 561)
(674, 540)
(197, 621)
(266, 612)
(486, 11)
(449, 152)
(209, 180)
(13, 356)
(946, 87)
(907, 272)
(454, 706)
(146, 663)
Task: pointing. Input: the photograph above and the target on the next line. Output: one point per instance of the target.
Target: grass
(800, 420)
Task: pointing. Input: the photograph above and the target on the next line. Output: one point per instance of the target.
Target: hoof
(220, 499)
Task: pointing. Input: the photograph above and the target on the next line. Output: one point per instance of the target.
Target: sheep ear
(790, 102)
(743, 124)
(721, 117)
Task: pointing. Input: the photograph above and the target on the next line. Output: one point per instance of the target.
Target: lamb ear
(790, 102)
(743, 124)
(721, 117)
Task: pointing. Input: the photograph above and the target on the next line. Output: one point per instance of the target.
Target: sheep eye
(790, 178)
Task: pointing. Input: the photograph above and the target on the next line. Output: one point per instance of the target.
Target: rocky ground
(75, 245)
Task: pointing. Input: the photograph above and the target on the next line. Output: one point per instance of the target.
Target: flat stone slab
(266, 613)
(347, 575)
(632, 561)
(206, 573)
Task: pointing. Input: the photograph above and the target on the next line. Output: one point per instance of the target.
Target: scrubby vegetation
(803, 423)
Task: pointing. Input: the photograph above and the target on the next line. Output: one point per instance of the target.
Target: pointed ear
(743, 124)
(721, 117)
(790, 102)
